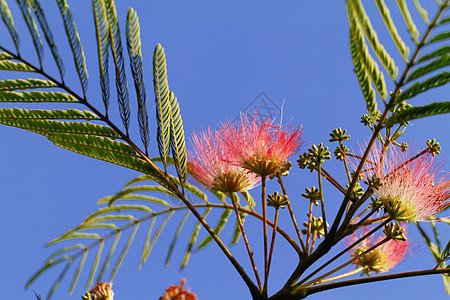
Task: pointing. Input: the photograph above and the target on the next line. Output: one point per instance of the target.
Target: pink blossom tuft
(412, 188)
(259, 145)
(209, 163)
(381, 259)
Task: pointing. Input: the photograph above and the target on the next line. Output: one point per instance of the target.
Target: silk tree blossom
(209, 163)
(103, 291)
(412, 188)
(381, 259)
(261, 146)
(175, 292)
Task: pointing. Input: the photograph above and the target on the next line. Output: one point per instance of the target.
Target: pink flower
(261, 146)
(411, 188)
(209, 164)
(381, 259)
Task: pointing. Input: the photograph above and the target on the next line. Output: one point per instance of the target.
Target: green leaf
(363, 79)
(48, 35)
(6, 65)
(177, 140)
(118, 208)
(21, 84)
(249, 199)
(127, 193)
(9, 22)
(420, 87)
(77, 273)
(75, 44)
(192, 241)
(69, 114)
(148, 247)
(418, 112)
(103, 44)
(175, 238)
(95, 265)
(409, 22)
(355, 8)
(163, 104)
(47, 265)
(386, 15)
(124, 252)
(440, 52)
(47, 127)
(219, 227)
(37, 42)
(118, 158)
(237, 233)
(36, 97)
(444, 21)
(434, 65)
(422, 12)
(73, 235)
(134, 52)
(4, 55)
(117, 52)
(439, 37)
(108, 258)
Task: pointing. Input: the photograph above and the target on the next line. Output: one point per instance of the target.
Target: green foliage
(36, 97)
(434, 65)
(440, 52)
(75, 44)
(25, 8)
(412, 28)
(134, 52)
(117, 52)
(48, 35)
(177, 140)
(420, 87)
(9, 22)
(6, 65)
(103, 44)
(163, 103)
(39, 114)
(419, 112)
(21, 84)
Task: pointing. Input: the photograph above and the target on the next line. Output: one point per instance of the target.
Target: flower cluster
(103, 291)
(381, 259)
(175, 292)
(231, 159)
(412, 188)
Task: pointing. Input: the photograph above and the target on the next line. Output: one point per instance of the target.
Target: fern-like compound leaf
(437, 53)
(218, 229)
(75, 44)
(134, 52)
(4, 55)
(48, 35)
(192, 240)
(124, 252)
(423, 13)
(163, 104)
(7, 65)
(237, 232)
(412, 28)
(25, 84)
(418, 112)
(177, 140)
(43, 114)
(420, 87)
(442, 62)
(439, 37)
(25, 8)
(9, 22)
(103, 44)
(386, 15)
(117, 52)
(363, 79)
(357, 13)
(175, 238)
(36, 97)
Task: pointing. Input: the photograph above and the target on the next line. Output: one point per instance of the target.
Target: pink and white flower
(209, 163)
(411, 188)
(261, 146)
(381, 259)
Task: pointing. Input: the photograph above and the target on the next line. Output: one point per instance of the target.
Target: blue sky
(220, 57)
